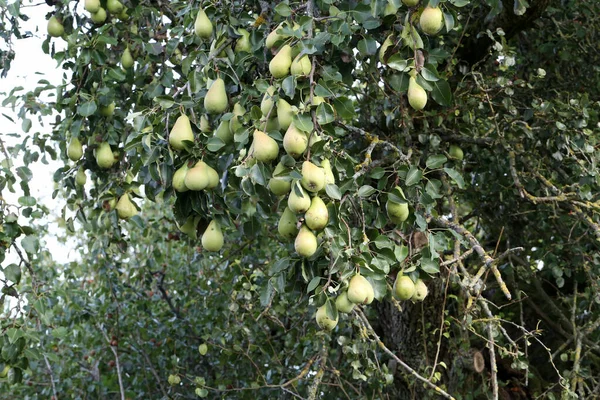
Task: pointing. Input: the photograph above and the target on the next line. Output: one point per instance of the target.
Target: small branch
(314, 387)
(51, 377)
(118, 365)
(457, 259)
(493, 364)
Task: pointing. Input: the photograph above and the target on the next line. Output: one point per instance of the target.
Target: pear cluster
(98, 14)
(406, 289)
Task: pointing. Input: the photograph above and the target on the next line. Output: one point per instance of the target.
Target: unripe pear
(125, 208)
(280, 64)
(197, 178)
(181, 132)
(212, 238)
(107, 111)
(431, 20)
(313, 177)
(298, 203)
(410, 3)
(278, 185)
(272, 125)
(456, 153)
(190, 227)
(295, 142)
(306, 242)
(80, 177)
(243, 43)
(265, 148)
(397, 212)
(104, 156)
(324, 321)
(92, 6)
(123, 16)
(267, 102)
(127, 59)
(285, 114)
(329, 178)
(174, 380)
(301, 66)
(203, 349)
(55, 28)
(216, 100)
(75, 150)
(389, 41)
(223, 132)
(99, 16)
(114, 6)
(204, 124)
(203, 27)
(404, 287)
(420, 291)
(417, 96)
(179, 179)
(344, 305)
(234, 122)
(213, 177)
(287, 226)
(360, 290)
(274, 37)
(317, 216)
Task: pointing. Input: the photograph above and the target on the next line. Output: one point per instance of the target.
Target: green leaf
(30, 244)
(27, 201)
(214, 144)
(325, 114)
(283, 9)
(87, 109)
(456, 177)
(333, 191)
(344, 107)
(430, 266)
(12, 272)
(164, 101)
(441, 93)
(435, 161)
(367, 47)
(314, 282)
(303, 122)
(413, 176)
(398, 62)
(366, 191)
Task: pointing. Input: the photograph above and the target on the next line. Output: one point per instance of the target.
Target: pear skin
(324, 321)
(55, 28)
(127, 59)
(104, 156)
(287, 226)
(313, 177)
(212, 238)
(360, 290)
(243, 43)
(417, 96)
(267, 103)
(224, 133)
(80, 177)
(92, 6)
(213, 177)
(344, 305)
(181, 131)
(273, 37)
(410, 3)
(329, 178)
(197, 178)
(306, 242)
(431, 20)
(285, 113)
(298, 203)
(265, 148)
(278, 185)
(202, 26)
(204, 124)
(404, 287)
(301, 66)
(420, 291)
(397, 212)
(216, 100)
(107, 111)
(190, 227)
(295, 142)
(317, 216)
(234, 122)
(125, 208)
(99, 16)
(456, 153)
(179, 179)
(114, 6)
(280, 64)
(75, 150)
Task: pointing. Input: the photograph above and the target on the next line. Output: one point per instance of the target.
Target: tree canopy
(304, 199)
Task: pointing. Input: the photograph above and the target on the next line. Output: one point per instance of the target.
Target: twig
(493, 364)
(314, 387)
(51, 377)
(118, 365)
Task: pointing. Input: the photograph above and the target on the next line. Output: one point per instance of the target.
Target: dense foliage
(454, 145)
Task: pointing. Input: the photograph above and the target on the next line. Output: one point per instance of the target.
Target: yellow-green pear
(216, 100)
(243, 43)
(213, 177)
(80, 177)
(107, 111)
(287, 226)
(285, 113)
(265, 148)
(431, 20)
(203, 27)
(299, 200)
(234, 122)
(317, 216)
(344, 305)
(197, 177)
(190, 227)
(329, 178)
(295, 142)
(278, 185)
(267, 103)
(404, 287)
(280, 64)
(456, 153)
(179, 178)
(204, 124)
(420, 291)
(324, 321)
(390, 8)
(389, 41)
(212, 238)
(301, 65)
(114, 6)
(125, 208)
(92, 6)
(417, 96)
(410, 3)
(306, 242)
(223, 132)
(272, 125)
(104, 156)
(99, 16)
(181, 132)
(360, 290)
(127, 59)
(203, 349)
(55, 28)
(75, 150)
(313, 177)
(273, 37)
(123, 16)
(397, 212)
(214, 48)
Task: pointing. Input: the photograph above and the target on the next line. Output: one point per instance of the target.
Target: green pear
(190, 227)
(204, 124)
(114, 6)
(216, 100)
(329, 178)
(360, 290)
(274, 37)
(213, 177)
(317, 216)
(107, 111)
(417, 96)
(197, 177)
(278, 185)
(179, 178)
(272, 125)
(203, 27)
(212, 238)
(214, 48)
(420, 291)
(127, 59)
(55, 28)
(104, 156)
(324, 321)
(75, 150)
(301, 66)
(404, 287)
(397, 212)
(342, 303)
(265, 148)
(313, 177)
(298, 202)
(92, 6)
(287, 226)
(389, 41)
(306, 242)
(295, 142)
(123, 16)
(410, 3)
(125, 208)
(243, 43)
(181, 132)
(431, 20)
(223, 132)
(234, 122)
(99, 16)
(280, 64)
(203, 349)
(285, 113)
(267, 103)
(456, 153)
(80, 177)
